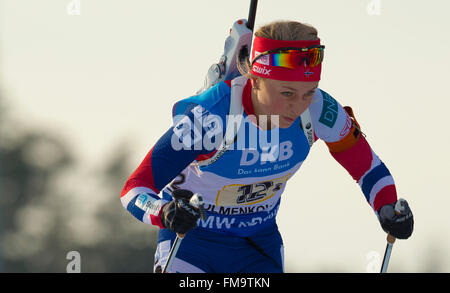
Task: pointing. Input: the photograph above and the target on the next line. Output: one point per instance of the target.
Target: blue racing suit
(242, 184)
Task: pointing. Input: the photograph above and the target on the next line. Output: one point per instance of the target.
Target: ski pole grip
(397, 210)
(196, 201)
(390, 239)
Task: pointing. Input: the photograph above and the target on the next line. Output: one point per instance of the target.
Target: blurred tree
(51, 205)
(128, 245)
(29, 160)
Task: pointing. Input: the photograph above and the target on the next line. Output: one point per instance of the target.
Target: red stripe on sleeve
(156, 220)
(387, 195)
(142, 176)
(357, 159)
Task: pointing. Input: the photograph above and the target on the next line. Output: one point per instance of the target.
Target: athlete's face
(287, 99)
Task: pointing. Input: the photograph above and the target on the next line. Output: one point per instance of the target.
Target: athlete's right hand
(178, 215)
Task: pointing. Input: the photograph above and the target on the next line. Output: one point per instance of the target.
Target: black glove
(178, 215)
(397, 219)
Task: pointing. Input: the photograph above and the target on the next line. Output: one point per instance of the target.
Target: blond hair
(283, 30)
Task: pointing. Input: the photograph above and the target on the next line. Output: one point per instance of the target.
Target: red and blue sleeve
(159, 167)
(337, 126)
(372, 175)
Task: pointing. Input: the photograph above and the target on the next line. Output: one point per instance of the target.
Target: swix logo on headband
(261, 70)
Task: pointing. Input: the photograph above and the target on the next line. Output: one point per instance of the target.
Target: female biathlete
(237, 144)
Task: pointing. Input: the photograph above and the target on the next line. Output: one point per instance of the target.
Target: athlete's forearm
(375, 180)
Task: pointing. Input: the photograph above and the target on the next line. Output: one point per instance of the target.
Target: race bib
(248, 194)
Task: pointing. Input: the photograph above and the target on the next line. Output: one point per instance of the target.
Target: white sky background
(113, 73)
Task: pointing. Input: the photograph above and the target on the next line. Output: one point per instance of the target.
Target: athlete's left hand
(397, 219)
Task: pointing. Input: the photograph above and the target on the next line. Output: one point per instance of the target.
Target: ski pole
(197, 202)
(173, 252)
(387, 253)
(398, 209)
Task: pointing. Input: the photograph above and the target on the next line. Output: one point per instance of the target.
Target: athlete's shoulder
(215, 100)
(329, 118)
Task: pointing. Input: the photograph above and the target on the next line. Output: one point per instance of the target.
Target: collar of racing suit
(247, 99)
